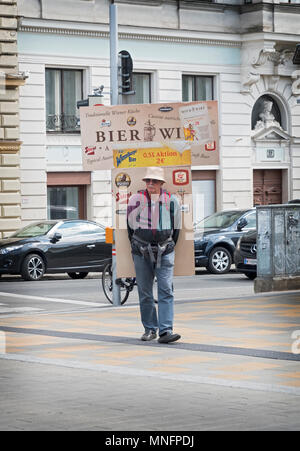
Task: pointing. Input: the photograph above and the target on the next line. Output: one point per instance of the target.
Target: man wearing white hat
(154, 222)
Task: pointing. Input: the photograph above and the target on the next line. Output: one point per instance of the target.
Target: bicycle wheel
(107, 286)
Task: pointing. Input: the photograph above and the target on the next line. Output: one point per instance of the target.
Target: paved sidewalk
(236, 367)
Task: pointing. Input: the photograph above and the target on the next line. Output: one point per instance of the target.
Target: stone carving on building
(274, 56)
(267, 118)
(249, 79)
(296, 83)
(254, 69)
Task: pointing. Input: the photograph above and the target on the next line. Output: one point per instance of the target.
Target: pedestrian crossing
(10, 304)
(6, 310)
(47, 299)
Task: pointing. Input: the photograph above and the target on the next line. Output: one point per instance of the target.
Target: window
(219, 220)
(72, 229)
(197, 87)
(93, 229)
(33, 230)
(281, 1)
(251, 220)
(67, 194)
(63, 90)
(141, 83)
(75, 228)
(66, 202)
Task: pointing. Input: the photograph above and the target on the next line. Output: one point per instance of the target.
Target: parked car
(217, 235)
(72, 246)
(245, 255)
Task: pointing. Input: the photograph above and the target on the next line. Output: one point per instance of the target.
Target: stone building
(240, 53)
(10, 80)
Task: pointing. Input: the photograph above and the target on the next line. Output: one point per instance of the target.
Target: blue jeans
(145, 273)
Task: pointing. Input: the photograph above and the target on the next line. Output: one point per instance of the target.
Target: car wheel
(77, 275)
(219, 261)
(33, 267)
(250, 275)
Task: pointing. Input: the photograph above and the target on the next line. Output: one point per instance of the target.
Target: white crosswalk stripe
(7, 310)
(47, 299)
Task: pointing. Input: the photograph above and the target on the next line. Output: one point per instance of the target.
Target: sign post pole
(114, 57)
(114, 94)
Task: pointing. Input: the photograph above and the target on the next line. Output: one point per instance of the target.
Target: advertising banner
(129, 181)
(146, 156)
(151, 134)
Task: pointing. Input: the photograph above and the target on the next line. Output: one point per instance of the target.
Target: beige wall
(10, 80)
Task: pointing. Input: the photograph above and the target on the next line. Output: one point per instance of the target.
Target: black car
(217, 235)
(72, 246)
(245, 255)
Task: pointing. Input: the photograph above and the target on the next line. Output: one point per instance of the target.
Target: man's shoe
(168, 337)
(148, 336)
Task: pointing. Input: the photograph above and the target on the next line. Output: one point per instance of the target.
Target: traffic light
(126, 67)
(84, 102)
(93, 99)
(90, 101)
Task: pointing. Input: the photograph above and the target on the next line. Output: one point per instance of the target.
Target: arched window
(259, 108)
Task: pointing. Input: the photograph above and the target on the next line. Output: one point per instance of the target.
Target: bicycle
(126, 284)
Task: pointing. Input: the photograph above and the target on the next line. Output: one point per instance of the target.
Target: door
(267, 186)
(82, 247)
(97, 251)
(70, 251)
(236, 233)
(204, 194)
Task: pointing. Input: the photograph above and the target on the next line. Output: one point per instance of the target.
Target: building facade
(240, 53)
(10, 80)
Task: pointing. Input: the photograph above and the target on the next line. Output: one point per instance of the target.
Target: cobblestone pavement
(237, 367)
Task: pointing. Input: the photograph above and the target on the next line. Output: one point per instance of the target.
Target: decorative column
(10, 80)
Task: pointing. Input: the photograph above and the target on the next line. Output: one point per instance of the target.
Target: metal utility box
(278, 248)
